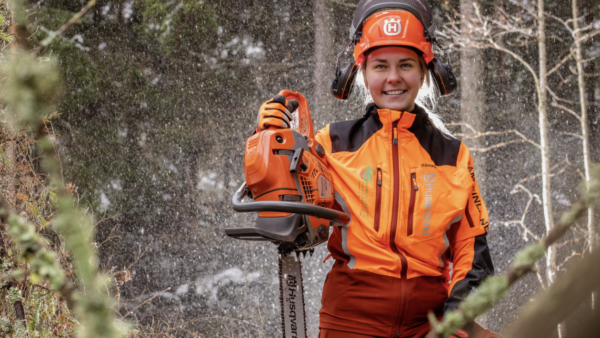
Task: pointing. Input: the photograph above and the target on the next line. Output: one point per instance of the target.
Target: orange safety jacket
(415, 209)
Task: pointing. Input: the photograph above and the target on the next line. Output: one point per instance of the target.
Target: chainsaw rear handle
(289, 207)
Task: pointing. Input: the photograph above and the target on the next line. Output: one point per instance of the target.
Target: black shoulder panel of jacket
(351, 135)
(481, 268)
(442, 149)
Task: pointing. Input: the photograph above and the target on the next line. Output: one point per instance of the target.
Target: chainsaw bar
(293, 315)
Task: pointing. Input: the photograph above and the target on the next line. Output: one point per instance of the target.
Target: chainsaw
(287, 179)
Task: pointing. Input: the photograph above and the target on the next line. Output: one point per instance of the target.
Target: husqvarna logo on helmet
(392, 27)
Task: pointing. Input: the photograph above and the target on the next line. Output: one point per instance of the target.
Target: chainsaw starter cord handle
(289, 207)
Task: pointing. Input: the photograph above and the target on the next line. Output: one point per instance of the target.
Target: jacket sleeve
(469, 251)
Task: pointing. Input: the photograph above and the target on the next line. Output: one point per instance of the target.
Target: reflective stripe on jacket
(414, 201)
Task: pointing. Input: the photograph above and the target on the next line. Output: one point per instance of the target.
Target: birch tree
(472, 93)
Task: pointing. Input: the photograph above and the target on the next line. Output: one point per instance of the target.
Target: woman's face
(393, 76)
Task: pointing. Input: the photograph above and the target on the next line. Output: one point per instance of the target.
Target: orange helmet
(393, 28)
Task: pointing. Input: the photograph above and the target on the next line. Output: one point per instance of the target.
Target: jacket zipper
(411, 205)
(394, 226)
(378, 199)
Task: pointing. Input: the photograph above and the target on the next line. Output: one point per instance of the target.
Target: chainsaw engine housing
(281, 167)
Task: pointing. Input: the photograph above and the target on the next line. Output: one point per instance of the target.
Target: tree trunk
(545, 148)
(472, 94)
(591, 236)
(472, 100)
(322, 109)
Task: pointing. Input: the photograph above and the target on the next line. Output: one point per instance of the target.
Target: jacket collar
(413, 119)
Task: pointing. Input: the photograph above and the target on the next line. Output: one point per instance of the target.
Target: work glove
(277, 112)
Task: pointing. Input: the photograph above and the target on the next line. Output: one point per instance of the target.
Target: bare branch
(488, 133)
(557, 98)
(588, 35)
(557, 66)
(572, 134)
(50, 38)
(566, 109)
(146, 301)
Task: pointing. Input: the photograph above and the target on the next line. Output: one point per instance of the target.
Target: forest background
(157, 99)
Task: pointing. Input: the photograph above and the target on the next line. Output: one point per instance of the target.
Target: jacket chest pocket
(434, 199)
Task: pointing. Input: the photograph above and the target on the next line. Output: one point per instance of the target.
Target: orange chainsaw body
(283, 164)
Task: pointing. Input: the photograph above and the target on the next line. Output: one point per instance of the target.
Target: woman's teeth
(395, 92)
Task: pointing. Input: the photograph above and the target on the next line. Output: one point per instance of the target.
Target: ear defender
(343, 81)
(443, 76)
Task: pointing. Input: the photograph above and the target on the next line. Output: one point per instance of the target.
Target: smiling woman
(393, 76)
(411, 190)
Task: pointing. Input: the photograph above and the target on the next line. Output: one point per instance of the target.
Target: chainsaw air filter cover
(280, 167)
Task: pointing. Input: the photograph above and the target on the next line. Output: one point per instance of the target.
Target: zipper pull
(414, 179)
(395, 136)
(378, 177)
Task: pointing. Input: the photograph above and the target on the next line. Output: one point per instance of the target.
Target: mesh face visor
(418, 8)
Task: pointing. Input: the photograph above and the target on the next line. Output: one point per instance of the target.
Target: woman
(411, 192)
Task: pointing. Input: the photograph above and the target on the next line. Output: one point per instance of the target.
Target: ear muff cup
(443, 76)
(343, 81)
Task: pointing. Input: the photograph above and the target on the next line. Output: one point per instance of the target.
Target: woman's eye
(406, 65)
(379, 66)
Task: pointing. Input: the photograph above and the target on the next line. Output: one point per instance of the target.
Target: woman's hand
(276, 112)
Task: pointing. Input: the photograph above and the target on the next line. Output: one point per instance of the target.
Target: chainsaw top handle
(305, 125)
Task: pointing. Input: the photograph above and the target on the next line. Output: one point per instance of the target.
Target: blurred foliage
(30, 88)
(29, 98)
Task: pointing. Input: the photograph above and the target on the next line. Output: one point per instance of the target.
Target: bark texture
(544, 145)
(584, 119)
(325, 56)
(472, 94)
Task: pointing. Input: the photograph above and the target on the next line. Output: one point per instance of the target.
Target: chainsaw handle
(289, 207)
(291, 107)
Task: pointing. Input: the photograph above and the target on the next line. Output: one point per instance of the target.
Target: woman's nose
(393, 76)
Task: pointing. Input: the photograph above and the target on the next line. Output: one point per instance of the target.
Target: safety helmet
(392, 23)
(393, 28)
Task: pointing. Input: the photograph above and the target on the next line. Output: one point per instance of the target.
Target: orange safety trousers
(358, 304)
(478, 332)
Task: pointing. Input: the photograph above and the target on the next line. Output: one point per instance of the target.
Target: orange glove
(275, 113)
(460, 333)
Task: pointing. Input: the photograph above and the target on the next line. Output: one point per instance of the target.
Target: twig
(490, 133)
(140, 256)
(566, 109)
(519, 187)
(53, 35)
(572, 134)
(557, 98)
(557, 66)
(146, 301)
